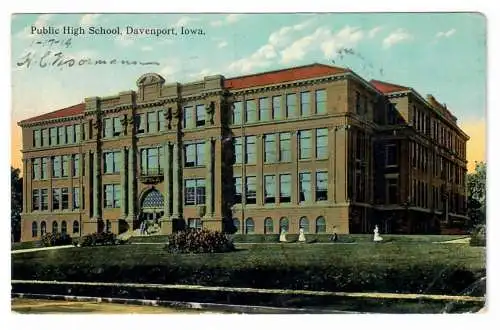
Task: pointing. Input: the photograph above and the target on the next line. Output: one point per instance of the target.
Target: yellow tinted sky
(476, 147)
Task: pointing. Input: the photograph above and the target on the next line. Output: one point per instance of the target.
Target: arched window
(304, 224)
(54, 226)
(320, 225)
(64, 228)
(284, 224)
(249, 226)
(236, 224)
(43, 228)
(34, 229)
(268, 226)
(76, 227)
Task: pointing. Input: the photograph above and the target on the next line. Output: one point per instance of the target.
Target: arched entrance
(151, 208)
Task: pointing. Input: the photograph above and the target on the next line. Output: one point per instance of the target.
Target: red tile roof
(284, 75)
(386, 87)
(66, 112)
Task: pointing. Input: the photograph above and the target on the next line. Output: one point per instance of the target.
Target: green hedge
(478, 237)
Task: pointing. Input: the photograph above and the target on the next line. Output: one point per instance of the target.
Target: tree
(16, 203)
(476, 192)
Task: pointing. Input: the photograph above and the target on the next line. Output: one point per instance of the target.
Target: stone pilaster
(166, 181)
(123, 181)
(25, 183)
(175, 182)
(209, 179)
(96, 187)
(130, 190)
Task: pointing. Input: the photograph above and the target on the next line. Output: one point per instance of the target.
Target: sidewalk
(41, 249)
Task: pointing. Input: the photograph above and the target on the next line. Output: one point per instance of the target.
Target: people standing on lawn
(302, 236)
(143, 227)
(283, 235)
(334, 237)
(376, 235)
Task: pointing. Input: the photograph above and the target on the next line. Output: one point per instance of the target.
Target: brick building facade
(315, 146)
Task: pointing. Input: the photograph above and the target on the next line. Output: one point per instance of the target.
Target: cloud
(184, 20)
(260, 59)
(282, 36)
(229, 19)
(222, 44)
(324, 39)
(146, 48)
(40, 21)
(124, 40)
(374, 31)
(89, 19)
(446, 34)
(396, 37)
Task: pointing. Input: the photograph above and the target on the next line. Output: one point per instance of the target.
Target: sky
(443, 54)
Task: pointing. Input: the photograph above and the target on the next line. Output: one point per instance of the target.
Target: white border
(276, 322)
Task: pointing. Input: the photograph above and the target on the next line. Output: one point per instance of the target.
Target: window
(285, 188)
(76, 198)
(140, 123)
(56, 166)
(108, 128)
(76, 165)
(265, 110)
(45, 138)
(358, 103)
(112, 162)
(320, 225)
(76, 227)
(65, 198)
(117, 126)
(161, 120)
(392, 191)
(37, 138)
(304, 224)
(152, 161)
(250, 190)
(391, 155)
(45, 167)
(194, 191)
(45, 199)
(249, 226)
(321, 186)
(55, 226)
(53, 136)
(291, 106)
(305, 144)
(112, 195)
(268, 226)
(251, 111)
(284, 225)
(250, 152)
(194, 154)
(78, 136)
(270, 148)
(236, 224)
(64, 228)
(56, 198)
(238, 150)
(277, 107)
(269, 189)
(285, 147)
(43, 228)
(35, 168)
(188, 117)
(237, 113)
(34, 229)
(322, 143)
(321, 102)
(200, 115)
(305, 104)
(35, 204)
(70, 134)
(152, 122)
(238, 185)
(65, 166)
(62, 134)
(305, 194)
(194, 223)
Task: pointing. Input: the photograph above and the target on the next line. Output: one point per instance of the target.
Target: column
(123, 181)
(80, 179)
(50, 170)
(96, 187)
(25, 183)
(209, 178)
(175, 182)
(88, 184)
(260, 169)
(295, 161)
(166, 180)
(131, 179)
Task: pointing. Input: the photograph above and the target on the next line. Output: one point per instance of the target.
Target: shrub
(93, 239)
(199, 241)
(478, 237)
(55, 239)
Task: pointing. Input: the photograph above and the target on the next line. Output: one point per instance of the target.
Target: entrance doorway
(151, 211)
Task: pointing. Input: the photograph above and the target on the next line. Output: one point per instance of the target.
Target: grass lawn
(370, 267)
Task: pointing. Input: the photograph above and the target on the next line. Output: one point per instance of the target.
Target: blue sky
(443, 54)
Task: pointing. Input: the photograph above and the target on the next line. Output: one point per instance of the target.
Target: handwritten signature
(52, 42)
(57, 59)
(366, 64)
